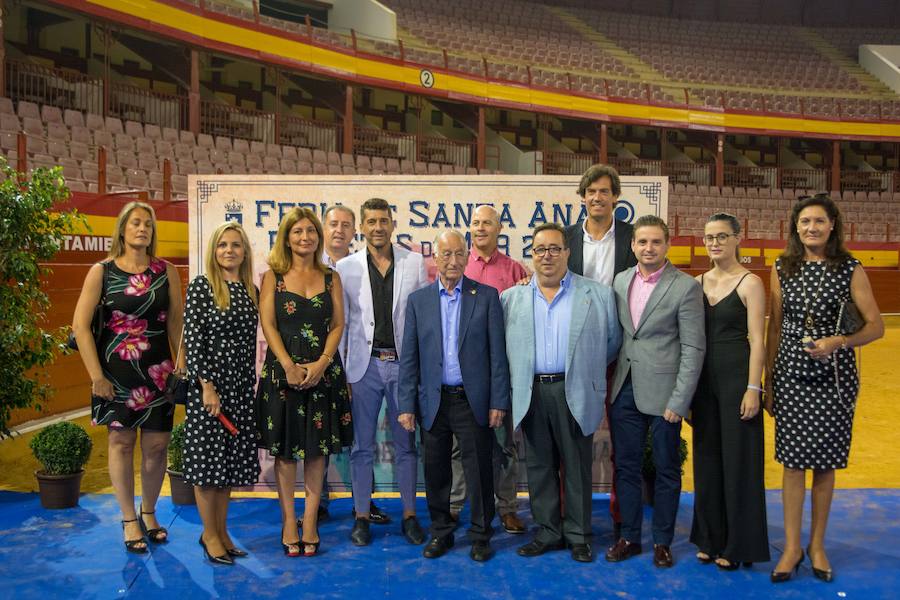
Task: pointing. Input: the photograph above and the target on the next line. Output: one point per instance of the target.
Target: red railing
(133, 103)
(565, 163)
(386, 144)
(804, 179)
(446, 151)
(751, 177)
(867, 181)
(297, 131)
(222, 119)
(57, 87)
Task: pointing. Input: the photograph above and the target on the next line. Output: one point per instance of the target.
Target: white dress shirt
(600, 255)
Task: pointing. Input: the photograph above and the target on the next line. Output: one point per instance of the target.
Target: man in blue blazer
(454, 376)
(561, 333)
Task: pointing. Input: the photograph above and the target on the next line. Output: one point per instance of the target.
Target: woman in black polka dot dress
(220, 337)
(813, 381)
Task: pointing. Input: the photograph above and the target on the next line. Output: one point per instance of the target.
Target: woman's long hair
(835, 251)
(281, 258)
(117, 248)
(221, 295)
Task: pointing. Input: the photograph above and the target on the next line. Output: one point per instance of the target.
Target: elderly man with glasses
(561, 332)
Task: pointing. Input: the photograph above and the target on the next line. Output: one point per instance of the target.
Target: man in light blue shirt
(561, 333)
(454, 377)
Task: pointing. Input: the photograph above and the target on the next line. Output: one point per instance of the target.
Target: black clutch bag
(176, 388)
(850, 320)
(97, 320)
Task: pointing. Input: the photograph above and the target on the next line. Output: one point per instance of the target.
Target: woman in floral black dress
(128, 369)
(303, 406)
(220, 340)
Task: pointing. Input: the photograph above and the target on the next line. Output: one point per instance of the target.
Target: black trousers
(455, 418)
(552, 439)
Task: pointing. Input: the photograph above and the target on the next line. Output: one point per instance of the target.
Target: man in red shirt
(488, 265)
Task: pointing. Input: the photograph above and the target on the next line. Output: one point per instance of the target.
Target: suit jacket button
(627, 360)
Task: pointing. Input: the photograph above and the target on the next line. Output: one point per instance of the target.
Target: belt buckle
(387, 355)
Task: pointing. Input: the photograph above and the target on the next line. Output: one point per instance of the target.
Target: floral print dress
(134, 350)
(295, 424)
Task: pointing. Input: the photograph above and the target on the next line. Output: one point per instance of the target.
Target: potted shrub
(182, 492)
(648, 471)
(62, 449)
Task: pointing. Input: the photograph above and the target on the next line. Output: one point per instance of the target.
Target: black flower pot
(182, 491)
(59, 491)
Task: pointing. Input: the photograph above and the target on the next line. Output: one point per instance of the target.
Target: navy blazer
(482, 352)
(624, 257)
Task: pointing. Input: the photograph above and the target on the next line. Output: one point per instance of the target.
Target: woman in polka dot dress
(303, 405)
(220, 338)
(812, 369)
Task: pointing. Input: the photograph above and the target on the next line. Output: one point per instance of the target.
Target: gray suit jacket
(594, 338)
(665, 352)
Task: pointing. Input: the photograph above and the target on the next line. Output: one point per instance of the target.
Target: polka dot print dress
(221, 347)
(813, 418)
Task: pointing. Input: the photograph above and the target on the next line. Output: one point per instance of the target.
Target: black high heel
(237, 552)
(781, 576)
(218, 560)
(132, 545)
(826, 575)
(704, 561)
(731, 566)
(315, 546)
(157, 535)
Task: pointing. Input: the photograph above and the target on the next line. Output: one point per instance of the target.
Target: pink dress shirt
(641, 288)
(498, 271)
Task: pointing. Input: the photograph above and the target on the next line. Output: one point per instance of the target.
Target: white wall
(368, 18)
(882, 62)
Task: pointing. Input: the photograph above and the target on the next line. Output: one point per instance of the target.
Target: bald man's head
(485, 229)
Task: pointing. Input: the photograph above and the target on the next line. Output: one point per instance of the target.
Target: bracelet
(843, 342)
(754, 387)
(329, 357)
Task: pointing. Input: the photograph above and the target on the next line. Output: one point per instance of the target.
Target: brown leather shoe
(622, 550)
(662, 556)
(512, 523)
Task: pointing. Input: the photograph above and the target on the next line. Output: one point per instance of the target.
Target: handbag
(850, 320)
(97, 319)
(176, 389)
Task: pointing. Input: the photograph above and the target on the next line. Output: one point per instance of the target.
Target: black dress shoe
(782, 576)
(438, 546)
(582, 552)
(412, 531)
(662, 556)
(622, 550)
(360, 535)
(376, 515)
(481, 551)
(537, 547)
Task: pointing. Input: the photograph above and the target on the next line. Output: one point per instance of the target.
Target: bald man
(489, 266)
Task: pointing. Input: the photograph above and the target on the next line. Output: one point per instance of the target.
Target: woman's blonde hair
(221, 296)
(117, 248)
(281, 258)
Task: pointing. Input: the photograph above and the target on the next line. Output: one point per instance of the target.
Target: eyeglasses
(540, 251)
(719, 237)
(447, 255)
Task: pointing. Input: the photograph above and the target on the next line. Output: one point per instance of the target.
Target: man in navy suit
(454, 376)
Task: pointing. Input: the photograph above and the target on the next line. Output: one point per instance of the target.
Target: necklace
(809, 322)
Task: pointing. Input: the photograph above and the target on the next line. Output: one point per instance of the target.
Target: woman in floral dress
(129, 366)
(303, 406)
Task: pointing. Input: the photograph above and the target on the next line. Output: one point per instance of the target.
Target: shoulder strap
(329, 276)
(105, 265)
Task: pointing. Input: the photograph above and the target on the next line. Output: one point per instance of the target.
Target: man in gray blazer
(561, 332)
(661, 312)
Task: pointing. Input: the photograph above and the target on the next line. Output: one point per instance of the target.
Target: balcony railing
(297, 131)
(221, 119)
(57, 87)
(751, 177)
(133, 103)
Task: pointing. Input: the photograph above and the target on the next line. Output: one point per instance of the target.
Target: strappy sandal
(157, 535)
(132, 545)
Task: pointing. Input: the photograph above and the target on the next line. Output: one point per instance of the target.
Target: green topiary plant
(62, 448)
(175, 451)
(32, 229)
(647, 468)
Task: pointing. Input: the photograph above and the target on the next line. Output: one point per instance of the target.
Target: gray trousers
(505, 459)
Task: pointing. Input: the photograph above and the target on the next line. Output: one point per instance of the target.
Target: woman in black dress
(730, 504)
(811, 368)
(303, 405)
(129, 366)
(220, 337)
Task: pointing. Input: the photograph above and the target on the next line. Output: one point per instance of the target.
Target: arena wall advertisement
(423, 206)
